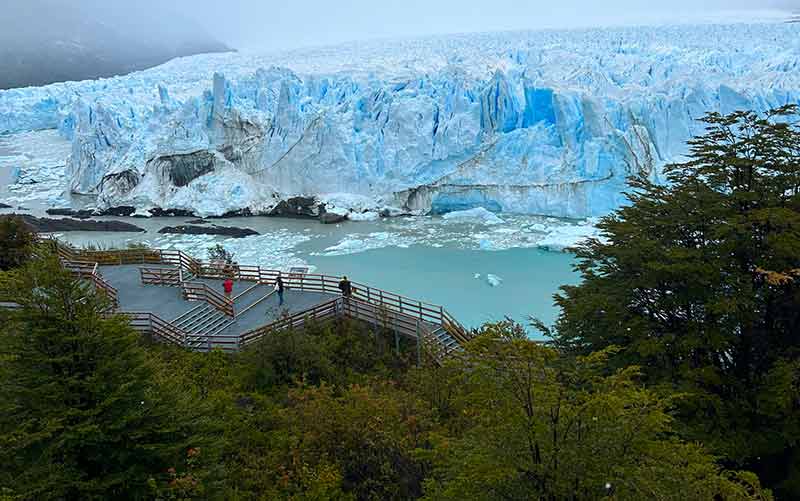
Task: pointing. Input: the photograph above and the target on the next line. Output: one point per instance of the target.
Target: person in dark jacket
(279, 288)
(346, 287)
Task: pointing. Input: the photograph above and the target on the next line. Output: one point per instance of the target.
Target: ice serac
(549, 123)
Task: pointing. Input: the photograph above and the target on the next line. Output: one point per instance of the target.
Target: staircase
(251, 297)
(203, 326)
(443, 341)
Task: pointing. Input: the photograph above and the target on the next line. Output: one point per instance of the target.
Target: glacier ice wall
(533, 122)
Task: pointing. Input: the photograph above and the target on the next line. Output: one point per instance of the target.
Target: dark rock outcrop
(77, 214)
(121, 183)
(331, 218)
(159, 212)
(301, 207)
(228, 231)
(121, 211)
(4, 206)
(197, 221)
(182, 169)
(47, 225)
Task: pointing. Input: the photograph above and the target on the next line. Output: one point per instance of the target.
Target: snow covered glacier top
(547, 122)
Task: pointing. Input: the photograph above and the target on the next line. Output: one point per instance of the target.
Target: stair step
(208, 323)
(188, 314)
(198, 317)
(197, 323)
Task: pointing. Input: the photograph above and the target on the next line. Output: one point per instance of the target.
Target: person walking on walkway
(228, 286)
(279, 288)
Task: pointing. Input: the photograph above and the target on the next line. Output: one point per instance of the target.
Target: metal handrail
(198, 291)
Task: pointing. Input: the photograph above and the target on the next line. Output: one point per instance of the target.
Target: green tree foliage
(541, 426)
(81, 414)
(309, 414)
(699, 282)
(16, 242)
(369, 432)
(218, 253)
(340, 354)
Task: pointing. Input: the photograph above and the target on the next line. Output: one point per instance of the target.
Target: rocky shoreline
(295, 208)
(48, 225)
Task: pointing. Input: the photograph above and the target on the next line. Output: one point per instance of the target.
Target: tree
(81, 416)
(16, 242)
(698, 282)
(543, 426)
(368, 432)
(219, 254)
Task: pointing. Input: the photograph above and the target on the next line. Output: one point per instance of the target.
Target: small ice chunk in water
(493, 280)
(476, 276)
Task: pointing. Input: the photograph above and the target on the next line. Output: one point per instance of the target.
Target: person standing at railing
(346, 287)
(227, 285)
(279, 289)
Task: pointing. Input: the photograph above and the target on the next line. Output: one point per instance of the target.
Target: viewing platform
(178, 299)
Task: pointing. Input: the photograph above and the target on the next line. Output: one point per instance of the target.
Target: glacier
(542, 122)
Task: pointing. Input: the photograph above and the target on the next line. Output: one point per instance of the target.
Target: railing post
(419, 346)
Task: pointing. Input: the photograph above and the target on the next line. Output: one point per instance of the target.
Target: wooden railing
(197, 291)
(105, 288)
(181, 260)
(454, 328)
(122, 256)
(148, 323)
(401, 323)
(228, 343)
(79, 268)
(170, 277)
(88, 271)
(323, 311)
(379, 315)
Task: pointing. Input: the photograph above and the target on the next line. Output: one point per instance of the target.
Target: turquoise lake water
(530, 277)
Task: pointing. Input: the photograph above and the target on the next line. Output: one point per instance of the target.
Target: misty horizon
(266, 26)
(260, 26)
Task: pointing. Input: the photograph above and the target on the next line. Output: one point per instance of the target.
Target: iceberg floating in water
(494, 280)
(478, 215)
(555, 126)
(563, 237)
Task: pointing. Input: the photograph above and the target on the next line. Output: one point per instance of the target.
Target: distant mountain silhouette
(46, 41)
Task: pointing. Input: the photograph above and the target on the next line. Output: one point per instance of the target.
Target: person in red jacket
(228, 286)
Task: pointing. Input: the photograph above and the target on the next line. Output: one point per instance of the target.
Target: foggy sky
(280, 24)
